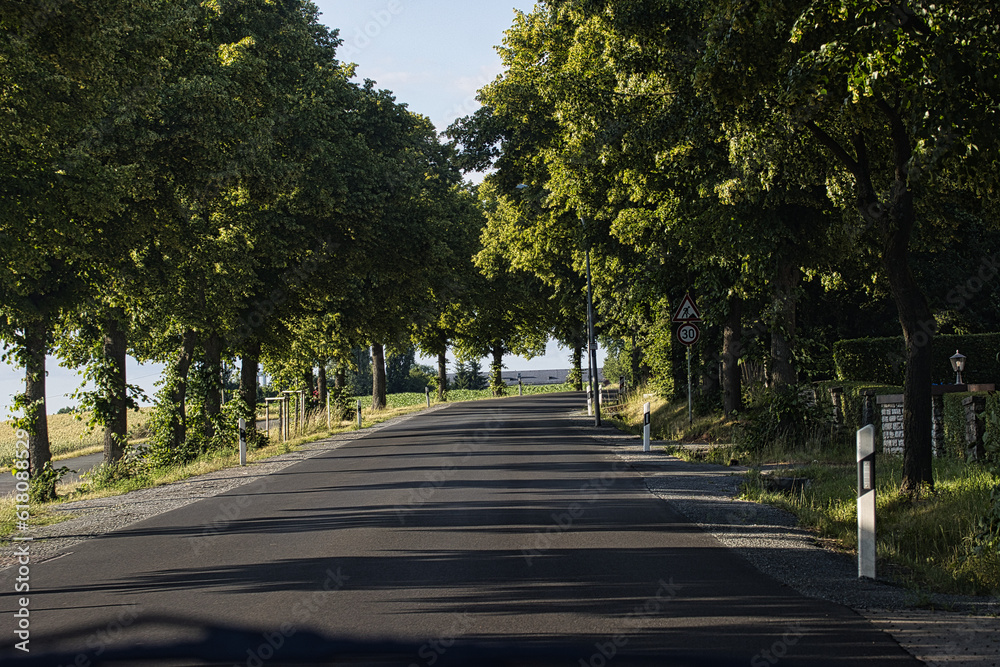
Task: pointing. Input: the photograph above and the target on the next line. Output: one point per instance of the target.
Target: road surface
(487, 523)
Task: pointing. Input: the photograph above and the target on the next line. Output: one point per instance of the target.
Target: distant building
(557, 376)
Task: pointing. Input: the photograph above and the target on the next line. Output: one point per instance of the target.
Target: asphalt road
(487, 523)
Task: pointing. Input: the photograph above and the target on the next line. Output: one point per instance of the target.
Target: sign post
(688, 333)
(866, 502)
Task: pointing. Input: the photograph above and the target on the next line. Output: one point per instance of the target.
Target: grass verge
(944, 542)
(931, 542)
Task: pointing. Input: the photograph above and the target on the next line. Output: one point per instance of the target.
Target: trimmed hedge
(883, 360)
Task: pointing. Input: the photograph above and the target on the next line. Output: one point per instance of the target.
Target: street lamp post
(958, 365)
(591, 343)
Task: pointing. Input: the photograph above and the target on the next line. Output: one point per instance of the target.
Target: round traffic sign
(689, 333)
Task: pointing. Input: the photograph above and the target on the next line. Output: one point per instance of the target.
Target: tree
(69, 73)
(898, 96)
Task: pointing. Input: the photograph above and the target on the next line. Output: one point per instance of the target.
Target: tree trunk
(36, 346)
(378, 377)
(497, 385)
(249, 366)
(578, 366)
(732, 349)
(114, 350)
(321, 387)
(918, 331)
(308, 396)
(213, 388)
(340, 377)
(178, 398)
(782, 368)
(443, 376)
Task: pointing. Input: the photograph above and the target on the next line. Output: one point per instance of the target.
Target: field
(69, 437)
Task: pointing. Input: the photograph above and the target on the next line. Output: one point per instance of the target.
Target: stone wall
(891, 409)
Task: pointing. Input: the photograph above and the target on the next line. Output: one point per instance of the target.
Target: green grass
(668, 420)
(929, 542)
(926, 542)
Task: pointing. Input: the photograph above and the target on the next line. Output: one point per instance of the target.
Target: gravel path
(770, 539)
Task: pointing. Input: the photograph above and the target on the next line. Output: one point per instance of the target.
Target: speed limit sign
(689, 333)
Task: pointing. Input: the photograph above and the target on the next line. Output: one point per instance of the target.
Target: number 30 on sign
(689, 334)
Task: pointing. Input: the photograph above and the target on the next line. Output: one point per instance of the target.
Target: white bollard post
(645, 428)
(328, 410)
(243, 442)
(267, 418)
(359, 413)
(590, 400)
(866, 502)
(427, 391)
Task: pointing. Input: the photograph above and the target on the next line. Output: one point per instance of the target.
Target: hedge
(883, 360)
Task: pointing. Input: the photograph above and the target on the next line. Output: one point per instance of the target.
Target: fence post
(243, 441)
(645, 428)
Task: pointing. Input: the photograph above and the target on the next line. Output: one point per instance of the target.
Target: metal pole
(591, 343)
(690, 411)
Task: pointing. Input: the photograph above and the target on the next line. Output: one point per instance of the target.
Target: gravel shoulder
(772, 541)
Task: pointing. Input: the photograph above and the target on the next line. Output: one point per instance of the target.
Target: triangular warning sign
(687, 312)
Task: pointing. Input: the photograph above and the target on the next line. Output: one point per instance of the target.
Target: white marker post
(243, 442)
(328, 410)
(866, 502)
(427, 390)
(590, 399)
(645, 428)
(359, 413)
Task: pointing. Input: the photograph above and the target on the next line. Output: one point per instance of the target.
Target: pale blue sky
(434, 56)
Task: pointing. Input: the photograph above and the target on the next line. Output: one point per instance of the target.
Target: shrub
(786, 416)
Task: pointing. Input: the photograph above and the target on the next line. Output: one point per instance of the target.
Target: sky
(434, 56)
